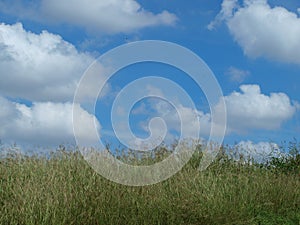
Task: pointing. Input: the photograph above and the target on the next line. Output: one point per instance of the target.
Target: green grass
(65, 190)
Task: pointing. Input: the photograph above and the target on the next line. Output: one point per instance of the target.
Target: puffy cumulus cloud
(262, 30)
(38, 67)
(250, 109)
(260, 152)
(44, 124)
(108, 16)
(247, 110)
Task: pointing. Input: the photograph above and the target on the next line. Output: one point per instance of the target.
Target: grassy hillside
(63, 189)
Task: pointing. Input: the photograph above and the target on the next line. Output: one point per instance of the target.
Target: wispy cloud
(237, 75)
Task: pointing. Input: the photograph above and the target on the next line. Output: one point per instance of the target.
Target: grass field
(63, 189)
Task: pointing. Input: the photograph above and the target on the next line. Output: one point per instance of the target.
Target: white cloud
(237, 75)
(259, 152)
(227, 10)
(43, 123)
(250, 109)
(38, 67)
(181, 116)
(262, 31)
(247, 110)
(108, 16)
(141, 109)
(185, 117)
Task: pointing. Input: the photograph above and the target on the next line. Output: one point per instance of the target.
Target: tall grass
(63, 189)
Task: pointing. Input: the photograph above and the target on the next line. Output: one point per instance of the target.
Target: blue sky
(252, 47)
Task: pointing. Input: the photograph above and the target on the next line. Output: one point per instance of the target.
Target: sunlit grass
(63, 189)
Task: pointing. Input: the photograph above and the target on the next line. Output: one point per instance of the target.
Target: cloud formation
(43, 123)
(247, 110)
(251, 109)
(237, 75)
(38, 67)
(262, 30)
(105, 16)
(260, 152)
(48, 123)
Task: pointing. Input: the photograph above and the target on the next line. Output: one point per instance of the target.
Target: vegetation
(63, 189)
